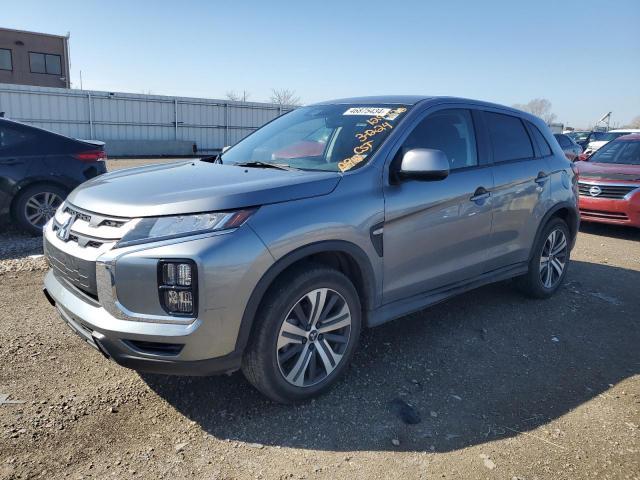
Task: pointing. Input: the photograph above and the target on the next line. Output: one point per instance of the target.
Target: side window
(543, 145)
(563, 141)
(509, 138)
(450, 131)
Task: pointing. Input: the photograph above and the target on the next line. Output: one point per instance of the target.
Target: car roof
(415, 99)
(626, 130)
(377, 99)
(632, 137)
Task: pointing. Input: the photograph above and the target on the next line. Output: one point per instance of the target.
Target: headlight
(153, 229)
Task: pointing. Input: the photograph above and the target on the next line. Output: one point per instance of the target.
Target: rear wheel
(549, 263)
(36, 205)
(307, 333)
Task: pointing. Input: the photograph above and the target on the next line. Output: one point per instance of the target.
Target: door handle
(481, 193)
(542, 178)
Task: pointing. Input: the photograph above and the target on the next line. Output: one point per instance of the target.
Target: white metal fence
(135, 124)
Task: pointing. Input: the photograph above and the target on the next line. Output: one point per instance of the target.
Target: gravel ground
(487, 385)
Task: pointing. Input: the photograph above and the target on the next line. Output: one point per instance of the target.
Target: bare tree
(540, 107)
(285, 97)
(238, 97)
(635, 123)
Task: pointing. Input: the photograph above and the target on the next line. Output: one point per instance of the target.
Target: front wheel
(307, 331)
(36, 205)
(549, 262)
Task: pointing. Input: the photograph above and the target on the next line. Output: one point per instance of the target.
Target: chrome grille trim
(92, 230)
(607, 190)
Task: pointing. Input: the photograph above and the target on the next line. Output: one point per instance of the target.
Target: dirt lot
(505, 388)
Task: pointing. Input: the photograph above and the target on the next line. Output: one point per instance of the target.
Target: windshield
(579, 136)
(623, 151)
(606, 136)
(324, 137)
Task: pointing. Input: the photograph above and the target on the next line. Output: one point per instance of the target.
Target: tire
(545, 277)
(289, 362)
(35, 205)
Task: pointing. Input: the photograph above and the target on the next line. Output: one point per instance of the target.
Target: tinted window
(450, 131)
(543, 145)
(45, 63)
(53, 64)
(509, 139)
(563, 141)
(36, 63)
(5, 59)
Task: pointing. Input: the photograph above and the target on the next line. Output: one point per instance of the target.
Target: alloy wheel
(553, 259)
(41, 207)
(313, 337)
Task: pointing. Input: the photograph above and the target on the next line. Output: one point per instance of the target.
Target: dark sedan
(39, 168)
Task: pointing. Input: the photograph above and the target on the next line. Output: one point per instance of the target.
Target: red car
(609, 183)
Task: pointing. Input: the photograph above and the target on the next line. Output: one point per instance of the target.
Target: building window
(5, 59)
(45, 63)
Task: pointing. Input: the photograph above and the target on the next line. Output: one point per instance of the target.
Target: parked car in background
(570, 148)
(598, 139)
(609, 183)
(39, 168)
(334, 217)
(581, 137)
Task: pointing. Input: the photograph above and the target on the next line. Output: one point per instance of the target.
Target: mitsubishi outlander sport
(273, 256)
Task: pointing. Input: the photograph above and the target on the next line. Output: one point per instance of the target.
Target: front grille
(78, 272)
(90, 230)
(605, 191)
(95, 220)
(604, 215)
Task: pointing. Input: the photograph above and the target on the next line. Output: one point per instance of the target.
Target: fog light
(177, 286)
(184, 274)
(180, 301)
(169, 274)
(176, 274)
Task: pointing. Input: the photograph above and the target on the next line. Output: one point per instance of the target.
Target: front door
(436, 232)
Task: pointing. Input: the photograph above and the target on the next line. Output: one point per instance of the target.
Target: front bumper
(125, 320)
(611, 211)
(116, 344)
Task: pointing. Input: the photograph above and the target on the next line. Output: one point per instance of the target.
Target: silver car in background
(337, 216)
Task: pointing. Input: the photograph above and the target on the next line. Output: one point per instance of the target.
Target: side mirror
(424, 164)
(224, 149)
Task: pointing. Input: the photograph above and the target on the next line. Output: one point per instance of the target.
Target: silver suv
(273, 256)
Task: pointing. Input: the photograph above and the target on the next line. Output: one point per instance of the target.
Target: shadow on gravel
(486, 365)
(614, 231)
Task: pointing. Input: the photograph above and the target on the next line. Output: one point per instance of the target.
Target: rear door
(522, 183)
(436, 232)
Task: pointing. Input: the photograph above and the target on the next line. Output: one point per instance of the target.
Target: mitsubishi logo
(65, 229)
(595, 191)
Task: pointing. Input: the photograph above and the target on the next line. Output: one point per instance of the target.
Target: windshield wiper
(256, 164)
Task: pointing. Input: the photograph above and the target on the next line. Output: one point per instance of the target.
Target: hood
(596, 145)
(195, 186)
(608, 171)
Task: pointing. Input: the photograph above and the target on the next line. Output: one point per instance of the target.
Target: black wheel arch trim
(361, 258)
(573, 229)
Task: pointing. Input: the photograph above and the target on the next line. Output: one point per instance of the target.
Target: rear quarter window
(509, 138)
(543, 145)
